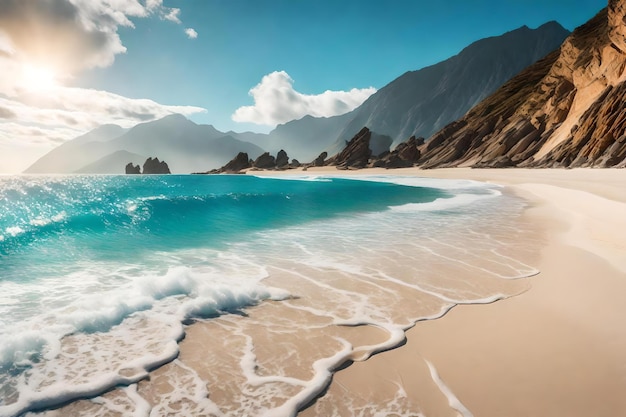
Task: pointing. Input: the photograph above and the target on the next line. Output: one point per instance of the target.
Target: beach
(502, 297)
(558, 348)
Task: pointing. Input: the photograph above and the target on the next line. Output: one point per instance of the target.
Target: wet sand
(553, 345)
(555, 350)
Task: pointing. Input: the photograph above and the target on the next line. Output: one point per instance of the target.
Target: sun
(38, 78)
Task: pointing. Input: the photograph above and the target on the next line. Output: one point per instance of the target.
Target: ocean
(233, 295)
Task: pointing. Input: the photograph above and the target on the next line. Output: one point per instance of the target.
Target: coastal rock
(235, 165)
(405, 155)
(265, 161)
(320, 160)
(295, 163)
(154, 166)
(357, 152)
(282, 160)
(564, 111)
(132, 169)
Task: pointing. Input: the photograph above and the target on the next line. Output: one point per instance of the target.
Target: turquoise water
(100, 274)
(48, 223)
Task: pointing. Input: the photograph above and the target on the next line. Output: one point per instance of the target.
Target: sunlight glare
(36, 78)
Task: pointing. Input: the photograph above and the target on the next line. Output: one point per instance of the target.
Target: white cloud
(276, 102)
(191, 33)
(172, 15)
(64, 37)
(71, 35)
(30, 126)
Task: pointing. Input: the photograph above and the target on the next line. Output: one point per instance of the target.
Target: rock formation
(133, 169)
(265, 161)
(566, 110)
(356, 154)
(282, 160)
(320, 160)
(405, 155)
(154, 166)
(151, 166)
(234, 166)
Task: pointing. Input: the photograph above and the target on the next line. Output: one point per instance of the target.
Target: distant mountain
(112, 164)
(419, 103)
(305, 138)
(567, 110)
(73, 155)
(186, 146)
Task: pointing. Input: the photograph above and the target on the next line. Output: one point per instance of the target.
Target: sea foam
(106, 273)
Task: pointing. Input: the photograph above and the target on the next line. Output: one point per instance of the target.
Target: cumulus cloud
(65, 37)
(71, 35)
(172, 15)
(276, 101)
(191, 33)
(32, 127)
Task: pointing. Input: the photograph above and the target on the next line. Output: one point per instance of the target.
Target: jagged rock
(564, 111)
(282, 160)
(265, 161)
(405, 155)
(357, 152)
(295, 163)
(320, 160)
(235, 165)
(132, 169)
(154, 166)
(409, 151)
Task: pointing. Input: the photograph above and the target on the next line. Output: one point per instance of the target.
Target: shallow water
(275, 282)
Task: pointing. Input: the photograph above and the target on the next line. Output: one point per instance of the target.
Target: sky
(69, 66)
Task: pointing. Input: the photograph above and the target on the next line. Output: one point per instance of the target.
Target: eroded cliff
(565, 110)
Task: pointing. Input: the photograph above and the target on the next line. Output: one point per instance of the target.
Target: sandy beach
(550, 344)
(555, 350)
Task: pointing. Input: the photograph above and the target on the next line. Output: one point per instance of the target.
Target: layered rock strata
(564, 111)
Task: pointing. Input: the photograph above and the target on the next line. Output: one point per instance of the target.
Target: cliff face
(565, 110)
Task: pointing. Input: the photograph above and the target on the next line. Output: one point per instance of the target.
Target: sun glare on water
(36, 78)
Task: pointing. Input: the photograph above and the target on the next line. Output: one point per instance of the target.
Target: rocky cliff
(565, 110)
(420, 103)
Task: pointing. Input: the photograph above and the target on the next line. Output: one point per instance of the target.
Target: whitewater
(233, 295)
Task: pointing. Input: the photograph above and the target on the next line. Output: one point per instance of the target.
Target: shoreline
(551, 345)
(556, 349)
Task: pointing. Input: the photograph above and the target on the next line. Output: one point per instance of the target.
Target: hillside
(186, 146)
(564, 111)
(419, 103)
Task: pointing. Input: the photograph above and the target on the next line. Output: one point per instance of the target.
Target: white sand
(557, 350)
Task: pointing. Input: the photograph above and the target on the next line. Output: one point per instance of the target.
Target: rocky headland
(564, 111)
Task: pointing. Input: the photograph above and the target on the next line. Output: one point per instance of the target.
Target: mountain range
(419, 103)
(564, 111)
(416, 103)
(186, 146)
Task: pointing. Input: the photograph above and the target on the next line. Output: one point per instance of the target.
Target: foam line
(58, 394)
(445, 390)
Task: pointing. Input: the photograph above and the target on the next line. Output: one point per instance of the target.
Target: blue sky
(124, 61)
(322, 45)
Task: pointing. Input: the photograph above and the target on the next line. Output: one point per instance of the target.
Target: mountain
(419, 103)
(71, 156)
(566, 110)
(305, 138)
(186, 146)
(112, 164)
